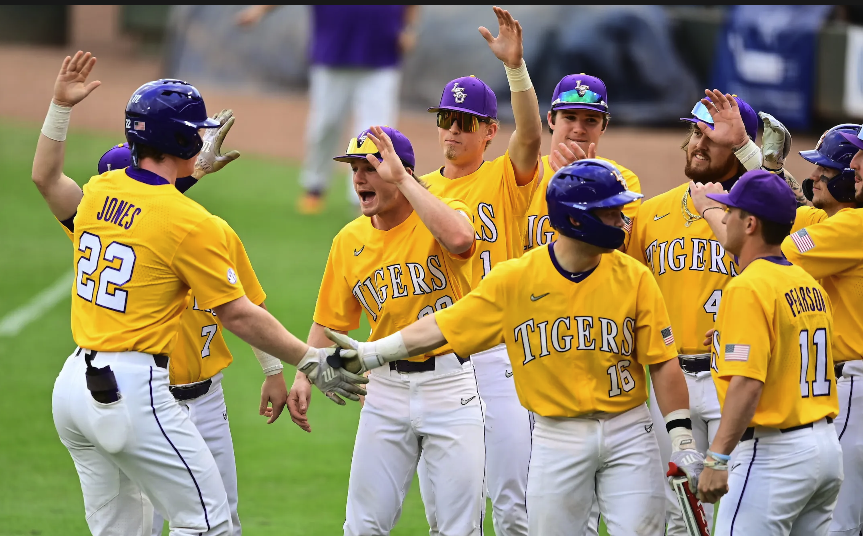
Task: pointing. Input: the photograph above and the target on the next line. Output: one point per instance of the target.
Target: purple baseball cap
(361, 146)
(468, 94)
(117, 157)
(762, 194)
(580, 91)
(856, 141)
(750, 118)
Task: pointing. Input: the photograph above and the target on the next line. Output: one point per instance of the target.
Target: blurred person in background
(355, 57)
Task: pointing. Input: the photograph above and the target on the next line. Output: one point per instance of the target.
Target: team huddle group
(516, 308)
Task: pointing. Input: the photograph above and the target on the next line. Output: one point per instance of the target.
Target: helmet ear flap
(807, 188)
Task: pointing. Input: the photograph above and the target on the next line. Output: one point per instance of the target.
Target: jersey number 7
(85, 282)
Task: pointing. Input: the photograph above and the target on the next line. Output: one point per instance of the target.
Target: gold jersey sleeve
(395, 277)
(499, 204)
(807, 216)
(140, 245)
(775, 326)
(575, 348)
(831, 252)
(201, 350)
(538, 230)
(690, 265)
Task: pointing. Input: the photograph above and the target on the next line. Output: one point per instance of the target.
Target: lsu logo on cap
(582, 89)
(458, 93)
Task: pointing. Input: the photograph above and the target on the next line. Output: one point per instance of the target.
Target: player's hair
(488, 143)
(145, 151)
(773, 233)
(605, 118)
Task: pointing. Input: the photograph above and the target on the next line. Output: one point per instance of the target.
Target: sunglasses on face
(575, 96)
(699, 111)
(466, 122)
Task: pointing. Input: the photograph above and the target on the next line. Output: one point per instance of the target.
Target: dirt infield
(274, 125)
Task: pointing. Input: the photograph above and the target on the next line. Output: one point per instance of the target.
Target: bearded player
(132, 444)
(824, 243)
(581, 321)
(577, 119)
(408, 256)
(776, 452)
(499, 193)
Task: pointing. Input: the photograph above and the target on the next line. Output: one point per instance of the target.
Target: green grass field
(290, 482)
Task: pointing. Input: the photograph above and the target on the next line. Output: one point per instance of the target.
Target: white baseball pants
(436, 414)
(611, 456)
(848, 515)
(508, 428)
(782, 484)
(373, 97)
(704, 409)
(140, 450)
(209, 414)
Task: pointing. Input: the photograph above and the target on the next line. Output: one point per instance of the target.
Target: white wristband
(391, 348)
(518, 78)
(749, 155)
(270, 364)
(56, 122)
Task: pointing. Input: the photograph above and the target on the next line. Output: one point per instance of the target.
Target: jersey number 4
(109, 298)
(820, 385)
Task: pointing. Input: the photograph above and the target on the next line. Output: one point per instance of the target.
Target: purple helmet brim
(819, 159)
(855, 141)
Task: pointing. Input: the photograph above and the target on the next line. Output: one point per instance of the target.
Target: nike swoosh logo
(735, 466)
(657, 218)
(356, 253)
(535, 298)
(508, 374)
(464, 401)
(648, 428)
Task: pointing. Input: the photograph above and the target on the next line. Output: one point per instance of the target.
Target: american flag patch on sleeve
(627, 224)
(667, 336)
(802, 240)
(737, 352)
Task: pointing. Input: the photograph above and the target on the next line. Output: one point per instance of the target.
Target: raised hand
(699, 195)
(508, 45)
(775, 142)
(728, 129)
(392, 169)
(565, 154)
(211, 159)
(71, 86)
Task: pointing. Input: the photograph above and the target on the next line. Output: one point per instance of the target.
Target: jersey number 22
(113, 299)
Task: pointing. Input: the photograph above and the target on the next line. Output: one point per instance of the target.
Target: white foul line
(15, 321)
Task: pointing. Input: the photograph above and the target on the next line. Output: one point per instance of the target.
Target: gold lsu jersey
(538, 231)
(140, 245)
(775, 325)
(395, 277)
(201, 351)
(807, 216)
(575, 347)
(832, 252)
(689, 264)
(500, 205)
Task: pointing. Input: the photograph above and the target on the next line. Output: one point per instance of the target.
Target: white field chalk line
(15, 321)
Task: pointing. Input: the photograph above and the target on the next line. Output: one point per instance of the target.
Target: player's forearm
(526, 142)
(60, 192)
(451, 229)
(271, 365)
(741, 401)
(423, 336)
(669, 386)
(261, 330)
(713, 217)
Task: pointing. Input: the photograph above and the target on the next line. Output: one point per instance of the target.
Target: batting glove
(211, 159)
(691, 462)
(370, 355)
(323, 367)
(775, 144)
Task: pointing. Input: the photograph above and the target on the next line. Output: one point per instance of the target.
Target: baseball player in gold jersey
(581, 322)
(201, 353)
(499, 193)
(577, 119)
(823, 242)
(134, 268)
(408, 256)
(772, 362)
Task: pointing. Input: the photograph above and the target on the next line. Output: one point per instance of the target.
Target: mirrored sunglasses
(700, 111)
(466, 122)
(366, 146)
(574, 96)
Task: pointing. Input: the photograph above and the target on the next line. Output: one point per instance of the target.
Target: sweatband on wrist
(518, 78)
(719, 457)
(716, 465)
(391, 348)
(270, 364)
(749, 155)
(678, 418)
(56, 122)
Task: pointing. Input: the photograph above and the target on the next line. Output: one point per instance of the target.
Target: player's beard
(450, 153)
(858, 191)
(713, 172)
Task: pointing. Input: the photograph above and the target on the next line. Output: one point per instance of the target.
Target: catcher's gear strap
(518, 78)
(56, 122)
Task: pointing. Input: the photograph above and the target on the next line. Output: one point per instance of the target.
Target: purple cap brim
(722, 198)
(695, 120)
(854, 140)
(349, 157)
(580, 106)
(454, 109)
